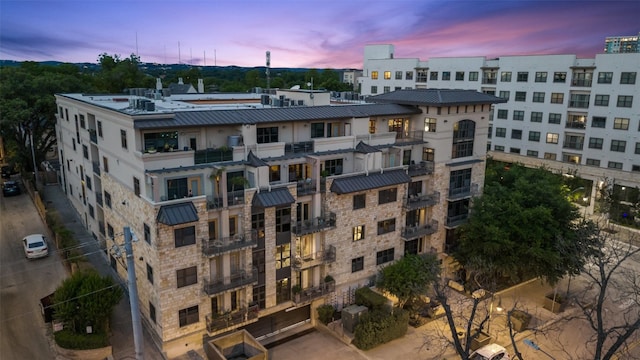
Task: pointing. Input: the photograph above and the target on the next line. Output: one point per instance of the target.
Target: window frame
(188, 316)
(182, 236)
(186, 276)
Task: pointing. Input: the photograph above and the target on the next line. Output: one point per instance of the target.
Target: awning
(177, 214)
(276, 197)
(367, 182)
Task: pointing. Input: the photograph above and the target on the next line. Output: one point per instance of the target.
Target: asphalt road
(23, 282)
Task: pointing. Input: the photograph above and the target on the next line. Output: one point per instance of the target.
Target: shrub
(325, 313)
(379, 327)
(371, 299)
(70, 340)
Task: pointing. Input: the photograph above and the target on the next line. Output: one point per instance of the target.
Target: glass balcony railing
(416, 231)
(315, 225)
(223, 321)
(306, 261)
(214, 247)
(414, 202)
(235, 280)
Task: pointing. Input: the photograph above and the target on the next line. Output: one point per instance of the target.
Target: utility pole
(133, 295)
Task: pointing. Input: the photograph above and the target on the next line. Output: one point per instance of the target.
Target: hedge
(371, 299)
(325, 313)
(379, 327)
(70, 340)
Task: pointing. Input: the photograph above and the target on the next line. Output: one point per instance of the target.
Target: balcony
(315, 225)
(579, 104)
(490, 81)
(314, 259)
(575, 145)
(214, 247)
(460, 192)
(101, 228)
(306, 187)
(235, 197)
(453, 221)
(299, 147)
(423, 168)
(93, 136)
(217, 322)
(576, 125)
(99, 199)
(214, 202)
(418, 202)
(309, 294)
(414, 232)
(235, 280)
(581, 82)
(96, 167)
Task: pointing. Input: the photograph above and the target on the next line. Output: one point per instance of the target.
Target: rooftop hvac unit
(150, 106)
(300, 102)
(264, 99)
(286, 103)
(142, 104)
(276, 102)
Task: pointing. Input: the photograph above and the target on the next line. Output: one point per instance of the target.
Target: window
(85, 151)
(536, 116)
(637, 151)
(152, 312)
(188, 276)
(333, 167)
(421, 75)
(518, 115)
(541, 76)
(505, 76)
(635, 168)
(532, 153)
(149, 273)
(428, 154)
(387, 89)
(446, 75)
(516, 134)
(107, 199)
(372, 126)
(123, 138)
(274, 173)
(501, 132)
(147, 234)
(534, 136)
(384, 256)
(358, 233)
(374, 75)
(523, 76)
(283, 256)
(83, 123)
(473, 76)
(386, 226)
(188, 316)
(430, 125)
(598, 122)
(105, 164)
(559, 77)
(579, 100)
(110, 232)
(374, 89)
(614, 165)
(317, 130)
(357, 264)
(408, 75)
(549, 156)
(136, 186)
(504, 95)
(267, 135)
(625, 101)
(601, 100)
(100, 128)
(433, 75)
(521, 96)
(359, 201)
(398, 75)
(283, 290)
(621, 123)
(387, 196)
(459, 75)
(552, 138)
(628, 78)
(595, 143)
(618, 145)
(460, 182)
(593, 162)
(605, 77)
(503, 114)
(557, 98)
(387, 75)
(185, 236)
(514, 150)
(91, 211)
(538, 97)
(499, 148)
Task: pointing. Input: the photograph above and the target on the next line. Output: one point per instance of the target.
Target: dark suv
(10, 188)
(7, 171)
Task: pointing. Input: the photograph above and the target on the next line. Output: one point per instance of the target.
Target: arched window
(463, 136)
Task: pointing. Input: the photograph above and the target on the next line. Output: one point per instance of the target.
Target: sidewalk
(121, 326)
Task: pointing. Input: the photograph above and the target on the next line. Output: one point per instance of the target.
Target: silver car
(35, 246)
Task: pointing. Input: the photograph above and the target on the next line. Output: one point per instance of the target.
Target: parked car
(8, 170)
(10, 188)
(490, 352)
(35, 246)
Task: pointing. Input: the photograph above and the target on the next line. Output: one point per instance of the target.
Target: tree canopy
(409, 277)
(522, 226)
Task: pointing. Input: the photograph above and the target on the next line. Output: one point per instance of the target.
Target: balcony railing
(579, 104)
(575, 145)
(581, 82)
(217, 322)
(235, 280)
(312, 293)
(414, 232)
(575, 125)
(417, 202)
(306, 187)
(299, 147)
(456, 220)
(214, 202)
(99, 199)
(235, 197)
(213, 247)
(314, 259)
(96, 167)
(489, 81)
(423, 168)
(315, 225)
(93, 136)
(101, 227)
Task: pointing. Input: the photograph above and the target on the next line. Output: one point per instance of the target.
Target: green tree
(118, 74)
(522, 226)
(409, 277)
(86, 299)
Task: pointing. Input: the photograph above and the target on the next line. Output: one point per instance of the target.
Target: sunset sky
(306, 33)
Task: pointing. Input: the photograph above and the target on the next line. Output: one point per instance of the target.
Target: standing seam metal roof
(176, 214)
(363, 182)
(436, 97)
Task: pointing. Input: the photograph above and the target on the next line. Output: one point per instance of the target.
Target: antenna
(267, 70)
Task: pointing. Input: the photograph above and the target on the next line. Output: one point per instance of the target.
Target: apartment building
(569, 114)
(622, 44)
(251, 215)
